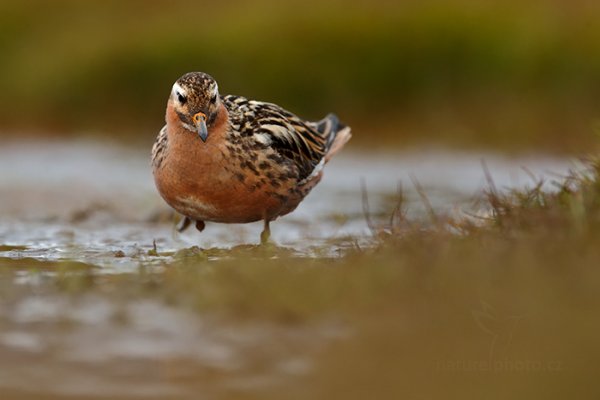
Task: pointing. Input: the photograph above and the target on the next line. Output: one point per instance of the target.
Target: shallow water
(96, 204)
(144, 348)
(86, 201)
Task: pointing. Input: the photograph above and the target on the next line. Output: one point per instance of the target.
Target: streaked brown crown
(199, 93)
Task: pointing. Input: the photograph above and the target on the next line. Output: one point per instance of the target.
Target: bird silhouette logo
(500, 328)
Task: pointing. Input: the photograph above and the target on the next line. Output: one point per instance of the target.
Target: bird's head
(195, 99)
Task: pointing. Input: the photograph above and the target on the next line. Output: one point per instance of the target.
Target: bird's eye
(182, 99)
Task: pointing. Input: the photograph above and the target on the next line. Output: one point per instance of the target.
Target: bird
(228, 159)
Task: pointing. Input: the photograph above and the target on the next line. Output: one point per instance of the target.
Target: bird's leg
(186, 222)
(183, 224)
(266, 233)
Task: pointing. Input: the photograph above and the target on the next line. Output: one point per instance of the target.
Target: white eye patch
(215, 90)
(177, 89)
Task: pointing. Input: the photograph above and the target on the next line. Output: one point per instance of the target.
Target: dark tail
(336, 133)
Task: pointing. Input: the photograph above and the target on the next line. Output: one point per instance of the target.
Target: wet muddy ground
(90, 209)
(89, 201)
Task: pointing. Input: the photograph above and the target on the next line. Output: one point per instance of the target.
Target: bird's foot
(183, 224)
(186, 222)
(264, 238)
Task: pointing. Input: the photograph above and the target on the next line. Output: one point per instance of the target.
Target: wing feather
(286, 133)
(160, 147)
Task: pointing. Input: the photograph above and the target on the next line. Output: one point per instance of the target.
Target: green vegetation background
(510, 74)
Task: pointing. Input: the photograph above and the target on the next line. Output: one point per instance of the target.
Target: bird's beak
(200, 123)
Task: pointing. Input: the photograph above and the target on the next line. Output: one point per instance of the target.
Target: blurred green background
(511, 75)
